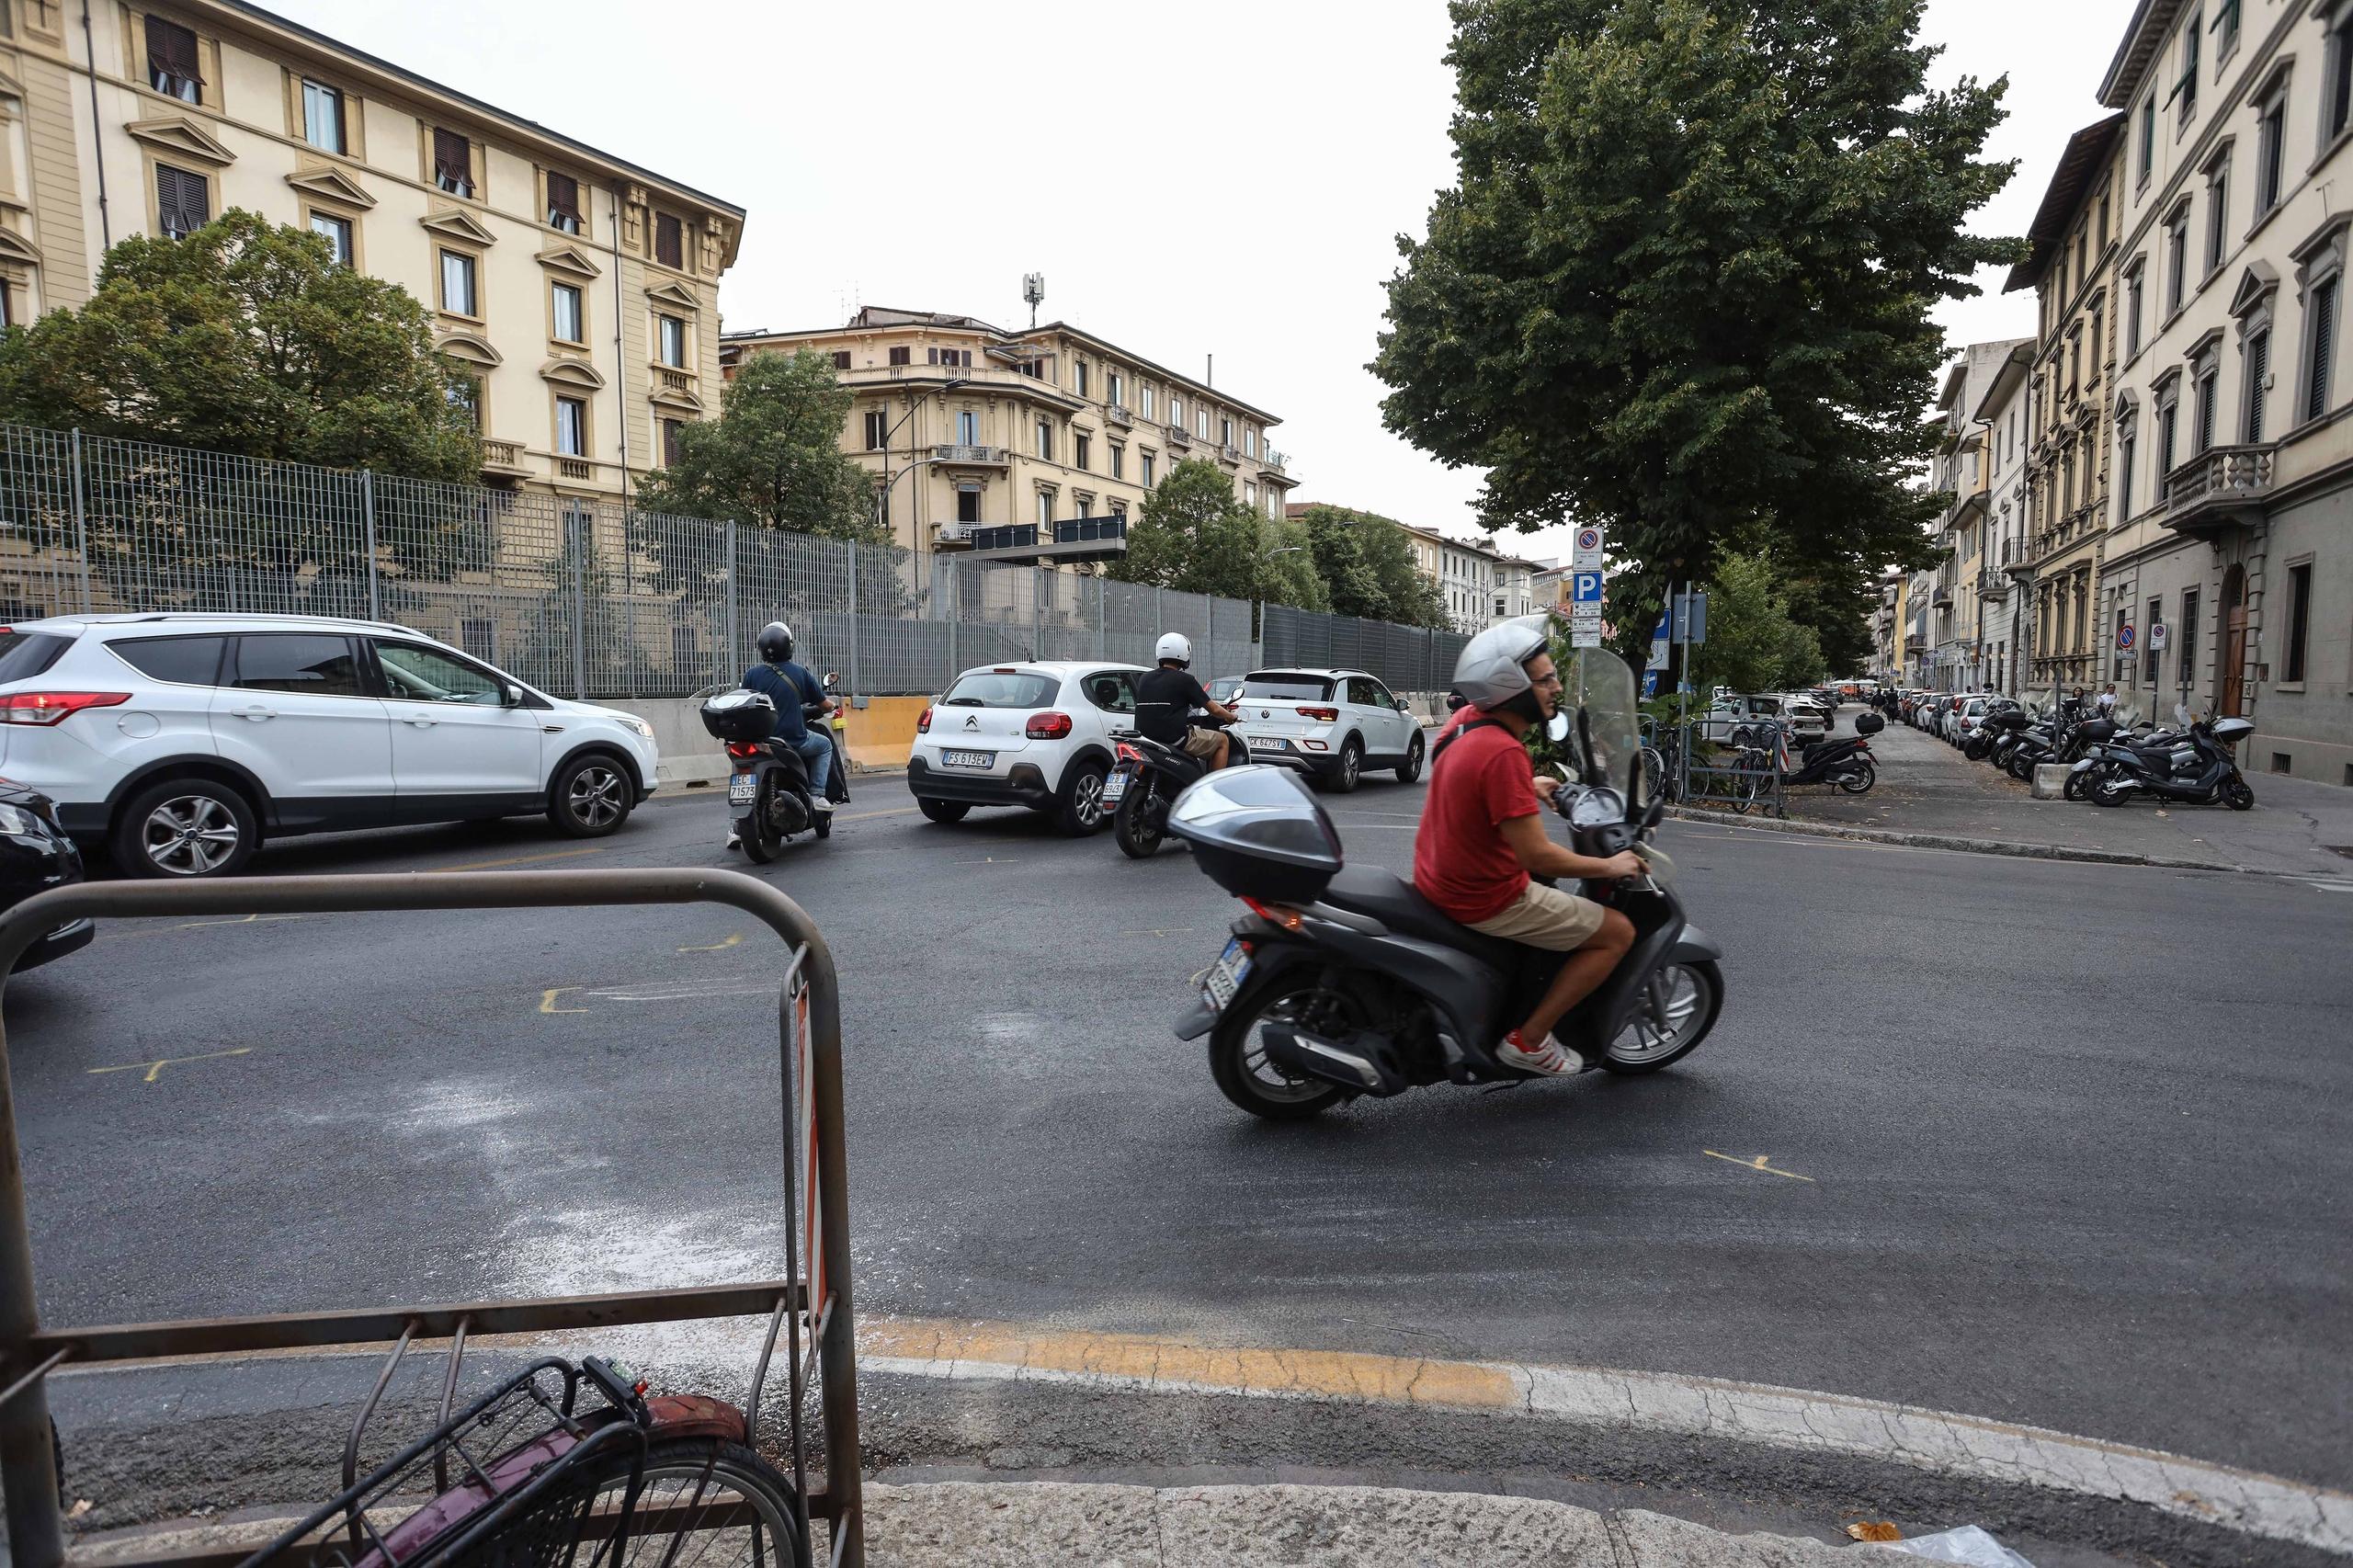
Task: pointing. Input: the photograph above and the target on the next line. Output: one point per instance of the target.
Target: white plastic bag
(1968, 1545)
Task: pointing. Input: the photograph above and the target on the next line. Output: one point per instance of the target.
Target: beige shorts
(1545, 918)
(1199, 742)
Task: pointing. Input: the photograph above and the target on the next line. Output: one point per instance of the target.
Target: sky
(1224, 179)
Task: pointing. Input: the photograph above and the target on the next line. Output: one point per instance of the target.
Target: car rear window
(24, 654)
(1001, 688)
(183, 661)
(1275, 686)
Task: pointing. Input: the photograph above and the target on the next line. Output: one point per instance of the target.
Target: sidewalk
(1928, 788)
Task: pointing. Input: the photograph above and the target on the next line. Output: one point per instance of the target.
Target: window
(1225, 432)
(2218, 211)
(902, 354)
(563, 202)
(968, 503)
(841, 358)
(323, 117)
(1085, 506)
(2125, 443)
(1115, 392)
(2337, 107)
(2178, 263)
(1078, 370)
(1175, 411)
(2300, 621)
(1250, 441)
(2148, 136)
(572, 427)
(877, 430)
(453, 167)
(674, 433)
(2167, 412)
(2075, 364)
(669, 241)
(2225, 27)
(183, 661)
(1250, 495)
(2186, 662)
(1201, 422)
(2320, 329)
(458, 284)
(1145, 470)
(2259, 372)
(300, 663)
(171, 61)
(2185, 90)
(1118, 460)
(423, 675)
(1080, 448)
(467, 394)
(1045, 508)
(2133, 281)
(183, 201)
(2149, 640)
(2270, 153)
(336, 232)
(565, 317)
(1046, 439)
(672, 340)
(1148, 399)
(2208, 378)
(968, 429)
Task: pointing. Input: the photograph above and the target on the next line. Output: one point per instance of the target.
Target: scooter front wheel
(1678, 1007)
(2239, 795)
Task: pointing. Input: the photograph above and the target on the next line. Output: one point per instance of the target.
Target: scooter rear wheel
(1238, 1057)
(1860, 780)
(1132, 826)
(1678, 1009)
(762, 842)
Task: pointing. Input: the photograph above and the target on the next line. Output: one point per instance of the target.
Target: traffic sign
(1585, 587)
(1586, 555)
(1585, 636)
(2124, 636)
(1691, 617)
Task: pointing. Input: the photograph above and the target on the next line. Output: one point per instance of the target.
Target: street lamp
(882, 496)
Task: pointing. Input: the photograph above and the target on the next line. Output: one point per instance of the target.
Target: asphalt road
(2056, 1143)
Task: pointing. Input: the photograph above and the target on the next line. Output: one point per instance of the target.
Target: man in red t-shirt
(1482, 836)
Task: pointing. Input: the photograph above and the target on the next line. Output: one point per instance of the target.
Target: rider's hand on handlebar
(1546, 786)
(1621, 867)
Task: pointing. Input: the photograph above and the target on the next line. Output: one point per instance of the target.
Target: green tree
(1367, 560)
(247, 337)
(1754, 644)
(1194, 534)
(773, 458)
(1289, 572)
(1682, 286)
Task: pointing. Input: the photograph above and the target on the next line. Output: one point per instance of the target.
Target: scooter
(767, 786)
(2198, 774)
(1343, 981)
(1147, 776)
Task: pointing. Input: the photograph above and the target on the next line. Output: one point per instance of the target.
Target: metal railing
(813, 1296)
(585, 597)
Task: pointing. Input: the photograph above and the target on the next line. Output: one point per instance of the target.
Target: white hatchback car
(180, 740)
(1035, 734)
(1339, 723)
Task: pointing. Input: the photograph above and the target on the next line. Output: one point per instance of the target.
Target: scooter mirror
(1556, 728)
(1657, 814)
(833, 679)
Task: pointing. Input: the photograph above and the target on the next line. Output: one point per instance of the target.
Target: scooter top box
(1260, 834)
(740, 716)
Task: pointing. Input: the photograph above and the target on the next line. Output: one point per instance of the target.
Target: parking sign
(1585, 587)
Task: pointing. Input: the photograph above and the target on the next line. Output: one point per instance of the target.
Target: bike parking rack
(809, 1001)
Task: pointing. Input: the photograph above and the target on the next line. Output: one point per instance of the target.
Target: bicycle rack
(809, 996)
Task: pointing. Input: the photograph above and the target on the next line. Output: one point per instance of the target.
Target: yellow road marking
(547, 1000)
(517, 860)
(198, 925)
(1758, 1164)
(734, 941)
(156, 1068)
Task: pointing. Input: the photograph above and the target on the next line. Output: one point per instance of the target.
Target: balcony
(1230, 456)
(1074, 538)
(677, 383)
(577, 469)
(969, 375)
(503, 460)
(1941, 598)
(2220, 489)
(1992, 586)
(1179, 436)
(1272, 460)
(1117, 416)
(972, 457)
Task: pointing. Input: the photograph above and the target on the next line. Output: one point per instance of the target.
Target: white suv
(180, 742)
(1035, 734)
(1338, 722)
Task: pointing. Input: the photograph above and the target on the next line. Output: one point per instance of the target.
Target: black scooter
(1147, 776)
(1344, 981)
(2210, 774)
(767, 785)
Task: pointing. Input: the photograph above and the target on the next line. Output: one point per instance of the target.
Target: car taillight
(922, 722)
(1321, 715)
(1047, 726)
(50, 707)
(742, 749)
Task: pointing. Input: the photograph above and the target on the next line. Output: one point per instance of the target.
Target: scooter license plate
(743, 789)
(1223, 982)
(1115, 788)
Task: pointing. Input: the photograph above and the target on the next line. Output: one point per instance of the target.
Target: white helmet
(1493, 666)
(1177, 646)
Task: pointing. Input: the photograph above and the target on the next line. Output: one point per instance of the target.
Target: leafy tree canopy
(1289, 572)
(773, 458)
(1368, 562)
(1754, 643)
(247, 337)
(1682, 285)
(1194, 534)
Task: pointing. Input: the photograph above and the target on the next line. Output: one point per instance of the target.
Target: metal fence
(590, 596)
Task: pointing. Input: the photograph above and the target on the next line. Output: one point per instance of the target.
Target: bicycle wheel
(1654, 774)
(702, 1501)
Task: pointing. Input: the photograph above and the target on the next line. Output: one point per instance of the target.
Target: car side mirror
(511, 695)
(1404, 705)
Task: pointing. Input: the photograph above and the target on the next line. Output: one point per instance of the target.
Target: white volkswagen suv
(180, 740)
(1035, 734)
(1340, 723)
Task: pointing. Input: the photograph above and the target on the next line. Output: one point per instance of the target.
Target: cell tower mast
(1033, 289)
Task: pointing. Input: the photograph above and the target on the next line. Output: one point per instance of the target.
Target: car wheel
(942, 812)
(1412, 771)
(591, 796)
(184, 828)
(1349, 771)
(1079, 810)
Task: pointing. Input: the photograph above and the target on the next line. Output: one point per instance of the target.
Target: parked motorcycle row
(2109, 757)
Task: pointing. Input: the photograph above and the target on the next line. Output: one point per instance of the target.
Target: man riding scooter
(1167, 697)
(793, 690)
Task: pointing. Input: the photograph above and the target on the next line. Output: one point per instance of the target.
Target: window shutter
(563, 199)
(669, 241)
(2258, 366)
(182, 199)
(2324, 346)
(171, 49)
(453, 157)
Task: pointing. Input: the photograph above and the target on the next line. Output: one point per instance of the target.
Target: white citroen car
(1036, 734)
(180, 742)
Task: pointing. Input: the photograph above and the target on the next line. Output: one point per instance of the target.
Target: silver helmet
(1493, 666)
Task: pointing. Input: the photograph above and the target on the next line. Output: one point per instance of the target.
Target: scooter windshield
(1599, 683)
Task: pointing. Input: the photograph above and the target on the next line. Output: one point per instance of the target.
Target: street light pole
(882, 497)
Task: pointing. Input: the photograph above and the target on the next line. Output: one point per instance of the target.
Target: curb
(1967, 846)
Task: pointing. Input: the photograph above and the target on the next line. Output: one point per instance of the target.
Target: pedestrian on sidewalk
(2108, 701)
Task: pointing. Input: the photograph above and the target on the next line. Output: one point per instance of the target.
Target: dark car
(34, 857)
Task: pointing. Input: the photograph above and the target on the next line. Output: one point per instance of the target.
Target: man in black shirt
(1165, 700)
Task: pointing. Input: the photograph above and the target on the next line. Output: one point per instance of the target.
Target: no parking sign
(2125, 637)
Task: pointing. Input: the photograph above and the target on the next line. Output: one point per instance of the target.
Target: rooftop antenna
(1033, 290)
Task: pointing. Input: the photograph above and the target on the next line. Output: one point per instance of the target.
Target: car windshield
(1001, 688)
(1277, 687)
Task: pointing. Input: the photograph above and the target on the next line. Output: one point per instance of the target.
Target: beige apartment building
(2230, 542)
(581, 289)
(1029, 446)
(1481, 582)
(2005, 622)
(1962, 658)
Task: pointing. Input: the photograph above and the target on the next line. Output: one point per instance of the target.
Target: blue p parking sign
(1585, 587)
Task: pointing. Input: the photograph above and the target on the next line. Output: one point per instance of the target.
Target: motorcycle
(2199, 772)
(1343, 981)
(767, 785)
